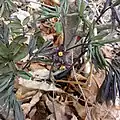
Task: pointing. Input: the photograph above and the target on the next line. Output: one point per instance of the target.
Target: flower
(59, 56)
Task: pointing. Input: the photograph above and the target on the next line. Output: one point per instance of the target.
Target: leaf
(4, 68)
(1, 2)
(5, 79)
(91, 30)
(117, 2)
(24, 75)
(17, 111)
(15, 25)
(2, 10)
(106, 41)
(81, 7)
(58, 27)
(38, 85)
(20, 39)
(4, 51)
(12, 6)
(17, 31)
(26, 20)
(6, 13)
(100, 36)
(40, 41)
(39, 74)
(14, 48)
(16, 44)
(5, 33)
(21, 53)
(79, 109)
(27, 106)
(1, 60)
(31, 45)
(2, 88)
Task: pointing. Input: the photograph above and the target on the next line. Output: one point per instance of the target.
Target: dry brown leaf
(107, 51)
(46, 28)
(27, 106)
(74, 117)
(80, 109)
(35, 98)
(102, 112)
(40, 74)
(99, 77)
(91, 91)
(38, 85)
(38, 65)
(49, 37)
(32, 112)
(24, 93)
(59, 110)
(42, 112)
(58, 40)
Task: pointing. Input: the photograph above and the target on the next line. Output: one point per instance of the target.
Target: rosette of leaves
(10, 53)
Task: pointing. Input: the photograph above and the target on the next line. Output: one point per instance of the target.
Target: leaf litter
(70, 98)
